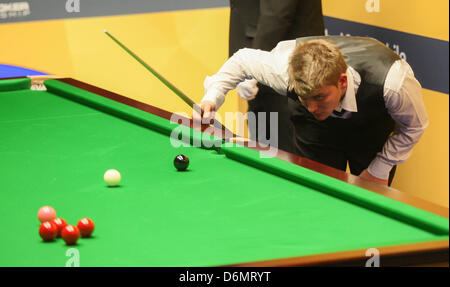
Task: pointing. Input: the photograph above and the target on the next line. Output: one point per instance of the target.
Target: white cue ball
(112, 177)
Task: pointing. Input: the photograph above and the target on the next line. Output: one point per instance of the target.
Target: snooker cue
(178, 92)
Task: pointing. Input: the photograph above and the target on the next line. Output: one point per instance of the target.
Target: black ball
(181, 162)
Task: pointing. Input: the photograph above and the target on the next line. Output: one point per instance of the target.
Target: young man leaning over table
(351, 100)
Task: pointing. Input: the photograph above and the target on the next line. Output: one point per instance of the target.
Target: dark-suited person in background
(261, 24)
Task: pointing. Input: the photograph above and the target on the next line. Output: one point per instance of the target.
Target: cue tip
(104, 31)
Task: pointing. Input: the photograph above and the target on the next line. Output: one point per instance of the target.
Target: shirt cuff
(214, 96)
(379, 168)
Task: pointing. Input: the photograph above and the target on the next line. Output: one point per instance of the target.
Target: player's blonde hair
(314, 64)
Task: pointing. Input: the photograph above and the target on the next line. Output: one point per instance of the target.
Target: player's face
(322, 104)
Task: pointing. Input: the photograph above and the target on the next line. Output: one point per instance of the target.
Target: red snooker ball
(70, 234)
(48, 231)
(60, 224)
(86, 227)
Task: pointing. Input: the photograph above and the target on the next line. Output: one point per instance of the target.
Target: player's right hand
(204, 113)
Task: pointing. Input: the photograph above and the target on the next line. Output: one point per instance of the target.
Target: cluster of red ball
(53, 227)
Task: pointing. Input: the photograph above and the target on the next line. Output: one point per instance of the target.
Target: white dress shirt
(402, 96)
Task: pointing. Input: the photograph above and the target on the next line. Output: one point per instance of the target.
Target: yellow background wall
(183, 46)
(186, 46)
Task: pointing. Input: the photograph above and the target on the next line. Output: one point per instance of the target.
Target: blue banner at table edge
(9, 71)
(424, 55)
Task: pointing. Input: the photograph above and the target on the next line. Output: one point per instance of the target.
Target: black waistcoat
(369, 127)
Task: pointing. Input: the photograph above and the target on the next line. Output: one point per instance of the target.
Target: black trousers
(306, 144)
(268, 101)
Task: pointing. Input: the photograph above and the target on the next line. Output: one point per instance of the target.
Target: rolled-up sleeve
(268, 68)
(403, 99)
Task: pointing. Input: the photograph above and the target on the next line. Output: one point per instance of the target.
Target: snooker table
(233, 207)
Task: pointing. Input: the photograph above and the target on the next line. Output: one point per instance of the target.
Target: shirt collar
(348, 102)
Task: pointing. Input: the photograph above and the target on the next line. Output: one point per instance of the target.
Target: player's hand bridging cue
(204, 113)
